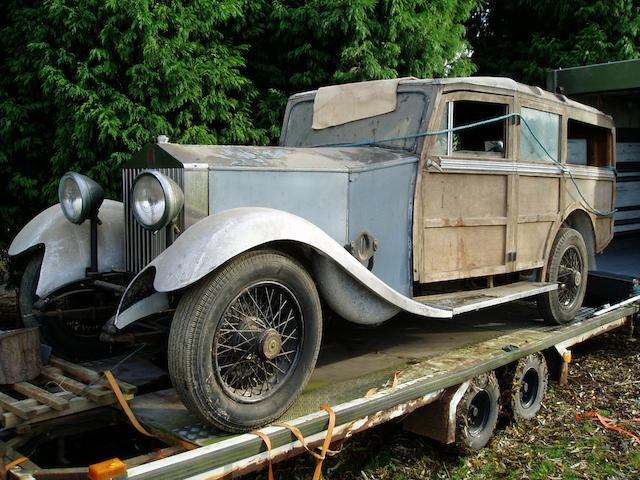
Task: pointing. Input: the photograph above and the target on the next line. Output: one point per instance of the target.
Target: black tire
(477, 413)
(568, 265)
(220, 333)
(524, 386)
(27, 291)
(65, 340)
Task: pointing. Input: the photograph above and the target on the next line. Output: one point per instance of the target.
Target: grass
(604, 376)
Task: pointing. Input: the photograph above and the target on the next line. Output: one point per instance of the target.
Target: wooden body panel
(482, 213)
(461, 212)
(538, 210)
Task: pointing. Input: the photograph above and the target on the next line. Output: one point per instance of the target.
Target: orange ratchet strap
(11, 464)
(610, 424)
(132, 418)
(267, 441)
(324, 450)
(123, 403)
(327, 441)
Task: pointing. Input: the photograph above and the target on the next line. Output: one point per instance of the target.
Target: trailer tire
(233, 358)
(477, 413)
(567, 265)
(524, 385)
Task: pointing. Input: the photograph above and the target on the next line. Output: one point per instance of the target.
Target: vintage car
(433, 197)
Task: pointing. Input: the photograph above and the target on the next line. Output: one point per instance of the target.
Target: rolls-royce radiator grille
(141, 245)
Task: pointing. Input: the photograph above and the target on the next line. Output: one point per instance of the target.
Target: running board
(470, 300)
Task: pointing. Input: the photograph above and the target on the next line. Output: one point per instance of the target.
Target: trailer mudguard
(218, 238)
(67, 248)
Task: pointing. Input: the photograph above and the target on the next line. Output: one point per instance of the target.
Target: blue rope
(422, 134)
(561, 167)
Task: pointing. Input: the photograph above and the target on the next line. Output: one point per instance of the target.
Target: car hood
(223, 157)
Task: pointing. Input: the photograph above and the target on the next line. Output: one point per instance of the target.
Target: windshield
(409, 118)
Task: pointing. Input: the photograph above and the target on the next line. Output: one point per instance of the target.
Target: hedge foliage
(87, 82)
(525, 38)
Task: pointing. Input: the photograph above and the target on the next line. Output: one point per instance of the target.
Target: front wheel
(244, 341)
(568, 266)
(68, 337)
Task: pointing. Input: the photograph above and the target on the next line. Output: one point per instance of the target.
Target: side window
(542, 137)
(588, 144)
(487, 139)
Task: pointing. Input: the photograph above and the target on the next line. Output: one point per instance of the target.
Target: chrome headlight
(80, 197)
(156, 200)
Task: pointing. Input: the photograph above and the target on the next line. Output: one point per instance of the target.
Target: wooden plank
(64, 394)
(41, 395)
(73, 385)
(77, 404)
(86, 374)
(463, 222)
(469, 300)
(12, 405)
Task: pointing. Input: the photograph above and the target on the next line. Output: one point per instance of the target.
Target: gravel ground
(604, 376)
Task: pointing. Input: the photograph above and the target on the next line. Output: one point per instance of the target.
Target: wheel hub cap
(270, 344)
(577, 278)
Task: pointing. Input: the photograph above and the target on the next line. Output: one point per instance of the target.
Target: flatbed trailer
(407, 368)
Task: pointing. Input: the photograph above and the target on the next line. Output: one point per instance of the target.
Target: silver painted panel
(67, 249)
(319, 197)
(147, 306)
(211, 242)
(196, 193)
(381, 203)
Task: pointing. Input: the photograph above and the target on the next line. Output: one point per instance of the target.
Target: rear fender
(67, 249)
(218, 238)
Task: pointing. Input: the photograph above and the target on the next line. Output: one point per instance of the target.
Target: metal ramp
(472, 300)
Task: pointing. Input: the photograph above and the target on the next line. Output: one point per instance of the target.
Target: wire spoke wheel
(567, 266)
(244, 341)
(569, 276)
(257, 343)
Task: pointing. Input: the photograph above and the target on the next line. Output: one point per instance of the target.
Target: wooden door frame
(442, 98)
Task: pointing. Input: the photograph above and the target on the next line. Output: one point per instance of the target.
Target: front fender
(218, 238)
(67, 249)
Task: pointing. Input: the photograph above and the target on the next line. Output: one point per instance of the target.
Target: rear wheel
(477, 413)
(244, 341)
(568, 266)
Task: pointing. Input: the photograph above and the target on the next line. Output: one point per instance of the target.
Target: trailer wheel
(567, 265)
(245, 340)
(477, 413)
(524, 387)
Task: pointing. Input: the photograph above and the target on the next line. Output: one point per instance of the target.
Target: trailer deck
(367, 376)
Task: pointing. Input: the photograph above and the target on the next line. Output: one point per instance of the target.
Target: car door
(539, 145)
(467, 188)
